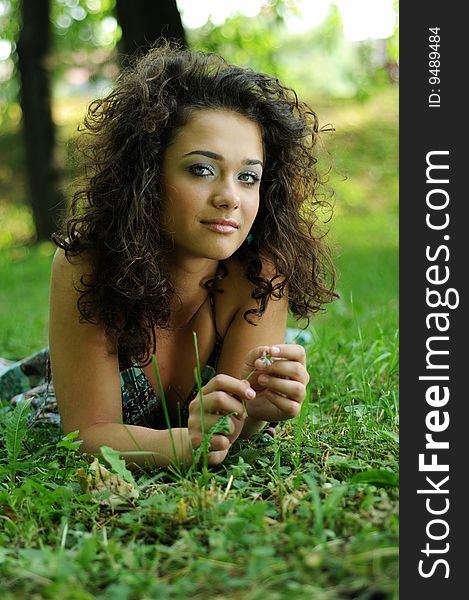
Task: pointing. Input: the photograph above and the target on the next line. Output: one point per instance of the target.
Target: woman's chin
(221, 251)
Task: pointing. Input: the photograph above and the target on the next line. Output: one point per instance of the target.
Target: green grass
(25, 273)
(312, 515)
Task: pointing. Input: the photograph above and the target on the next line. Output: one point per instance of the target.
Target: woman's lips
(220, 227)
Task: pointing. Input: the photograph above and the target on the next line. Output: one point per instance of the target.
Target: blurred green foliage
(84, 34)
(243, 41)
(320, 61)
(81, 23)
(327, 70)
(361, 155)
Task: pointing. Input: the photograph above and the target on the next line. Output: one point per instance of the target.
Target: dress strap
(211, 296)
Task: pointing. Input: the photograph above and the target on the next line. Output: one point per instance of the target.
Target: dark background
(423, 129)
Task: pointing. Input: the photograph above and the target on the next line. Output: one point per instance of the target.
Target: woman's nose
(225, 196)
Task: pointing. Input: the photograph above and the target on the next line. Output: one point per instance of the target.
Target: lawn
(311, 515)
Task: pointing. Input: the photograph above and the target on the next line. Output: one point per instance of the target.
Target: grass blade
(198, 378)
(165, 410)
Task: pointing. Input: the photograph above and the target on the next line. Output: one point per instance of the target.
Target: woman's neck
(190, 293)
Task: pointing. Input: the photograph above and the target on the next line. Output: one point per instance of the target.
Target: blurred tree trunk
(144, 21)
(38, 128)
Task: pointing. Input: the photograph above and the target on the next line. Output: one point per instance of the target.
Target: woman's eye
(201, 170)
(250, 178)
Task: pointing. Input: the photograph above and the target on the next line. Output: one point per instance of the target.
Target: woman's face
(211, 179)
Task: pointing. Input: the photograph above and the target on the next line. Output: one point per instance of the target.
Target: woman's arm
(130, 439)
(86, 379)
(241, 337)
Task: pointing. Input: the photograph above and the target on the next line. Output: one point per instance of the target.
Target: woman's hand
(280, 385)
(222, 395)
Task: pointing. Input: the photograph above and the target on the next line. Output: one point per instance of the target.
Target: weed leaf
(377, 477)
(69, 441)
(117, 464)
(391, 435)
(106, 487)
(16, 429)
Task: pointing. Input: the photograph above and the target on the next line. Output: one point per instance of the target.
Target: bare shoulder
(69, 273)
(68, 270)
(234, 265)
(238, 286)
(84, 361)
(235, 283)
(243, 335)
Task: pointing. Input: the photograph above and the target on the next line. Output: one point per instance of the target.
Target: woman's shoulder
(237, 272)
(267, 313)
(236, 282)
(70, 268)
(69, 275)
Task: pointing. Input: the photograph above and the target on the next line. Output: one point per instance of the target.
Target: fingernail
(250, 393)
(263, 379)
(275, 350)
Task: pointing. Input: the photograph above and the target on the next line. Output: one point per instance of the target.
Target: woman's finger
(293, 390)
(209, 421)
(231, 385)
(195, 430)
(293, 352)
(221, 403)
(287, 408)
(286, 369)
(219, 442)
(255, 354)
(217, 403)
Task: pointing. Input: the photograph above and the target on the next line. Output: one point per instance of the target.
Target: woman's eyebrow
(207, 153)
(215, 156)
(253, 161)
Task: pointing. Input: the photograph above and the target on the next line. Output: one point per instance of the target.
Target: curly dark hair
(114, 218)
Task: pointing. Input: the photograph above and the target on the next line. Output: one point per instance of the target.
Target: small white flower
(266, 359)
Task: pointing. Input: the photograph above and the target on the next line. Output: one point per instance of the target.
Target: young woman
(198, 215)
